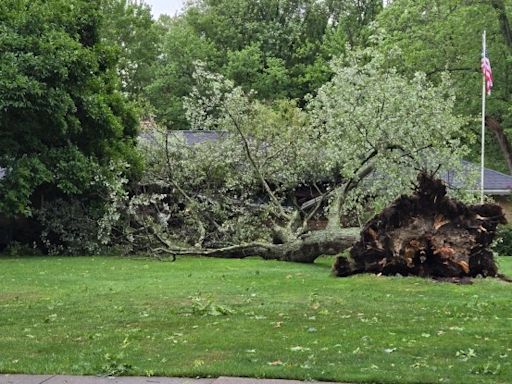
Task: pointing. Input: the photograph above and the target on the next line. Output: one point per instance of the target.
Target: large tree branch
(256, 168)
(304, 250)
(340, 193)
(181, 191)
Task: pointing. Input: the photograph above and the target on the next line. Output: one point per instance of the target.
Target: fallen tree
(427, 234)
(235, 194)
(305, 249)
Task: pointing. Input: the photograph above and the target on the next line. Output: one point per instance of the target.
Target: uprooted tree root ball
(427, 234)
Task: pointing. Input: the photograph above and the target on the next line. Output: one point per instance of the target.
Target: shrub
(503, 243)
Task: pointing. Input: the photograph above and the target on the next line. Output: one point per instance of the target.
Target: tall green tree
(439, 36)
(278, 48)
(128, 25)
(181, 47)
(62, 116)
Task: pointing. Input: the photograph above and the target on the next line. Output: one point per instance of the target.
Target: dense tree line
(289, 79)
(280, 49)
(60, 112)
(63, 118)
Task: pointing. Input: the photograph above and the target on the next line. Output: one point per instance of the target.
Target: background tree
(129, 26)
(278, 48)
(438, 36)
(63, 119)
(181, 47)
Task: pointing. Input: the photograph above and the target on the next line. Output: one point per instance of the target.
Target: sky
(169, 7)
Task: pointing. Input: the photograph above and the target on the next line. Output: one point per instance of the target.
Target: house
(496, 184)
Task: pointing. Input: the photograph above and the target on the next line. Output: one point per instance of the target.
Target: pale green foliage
(278, 136)
(359, 143)
(196, 194)
(437, 36)
(367, 116)
(371, 116)
(86, 226)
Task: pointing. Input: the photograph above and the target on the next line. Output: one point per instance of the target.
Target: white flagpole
(483, 129)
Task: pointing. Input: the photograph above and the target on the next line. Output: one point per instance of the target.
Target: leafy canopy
(278, 48)
(62, 116)
(359, 142)
(128, 25)
(438, 36)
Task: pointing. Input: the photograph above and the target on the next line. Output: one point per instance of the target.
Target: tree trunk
(302, 250)
(426, 234)
(499, 7)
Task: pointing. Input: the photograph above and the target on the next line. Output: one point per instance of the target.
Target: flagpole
(482, 162)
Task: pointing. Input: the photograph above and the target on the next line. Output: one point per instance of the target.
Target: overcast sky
(169, 7)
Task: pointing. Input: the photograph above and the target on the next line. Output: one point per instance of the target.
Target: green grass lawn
(208, 317)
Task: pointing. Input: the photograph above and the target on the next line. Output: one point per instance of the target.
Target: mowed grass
(210, 317)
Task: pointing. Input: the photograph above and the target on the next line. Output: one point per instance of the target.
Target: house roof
(199, 137)
(495, 183)
(189, 136)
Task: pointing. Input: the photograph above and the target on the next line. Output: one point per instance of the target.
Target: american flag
(487, 71)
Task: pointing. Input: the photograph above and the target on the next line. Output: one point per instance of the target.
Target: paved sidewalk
(58, 379)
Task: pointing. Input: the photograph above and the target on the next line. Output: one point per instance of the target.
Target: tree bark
(504, 143)
(302, 250)
(499, 6)
(426, 234)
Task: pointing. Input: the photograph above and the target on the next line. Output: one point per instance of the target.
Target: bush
(83, 224)
(16, 249)
(503, 243)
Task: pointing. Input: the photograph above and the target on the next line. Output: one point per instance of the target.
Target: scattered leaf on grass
(466, 355)
(198, 363)
(487, 369)
(299, 348)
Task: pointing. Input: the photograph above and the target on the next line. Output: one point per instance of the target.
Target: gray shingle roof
(190, 137)
(198, 137)
(495, 183)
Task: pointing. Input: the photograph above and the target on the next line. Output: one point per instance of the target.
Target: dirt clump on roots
(427, 234)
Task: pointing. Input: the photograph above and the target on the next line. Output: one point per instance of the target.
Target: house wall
(506, 203)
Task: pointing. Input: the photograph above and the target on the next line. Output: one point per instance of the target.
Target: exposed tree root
(427, 234)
